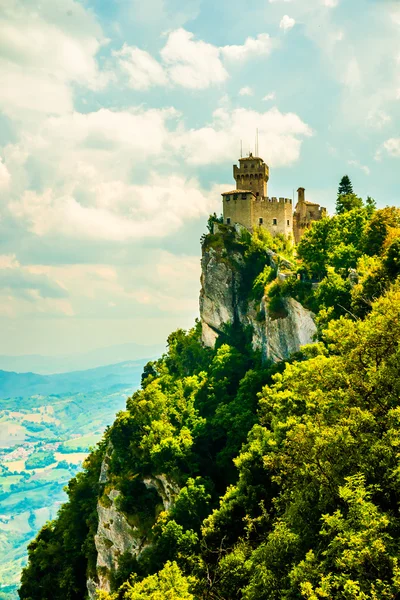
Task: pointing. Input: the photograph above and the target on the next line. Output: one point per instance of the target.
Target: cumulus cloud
(4, 175)
(142, 69)
(280, 136)
(246, 91)
(20, 282)
(43, 53)
(192, 63)
(330, 3)
(270, 96)
(287, 23)
(186, 61)
(391, 147)
(119, 212)
(377, 119)
(259, 46)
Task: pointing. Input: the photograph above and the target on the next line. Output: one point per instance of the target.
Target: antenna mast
(241, 149)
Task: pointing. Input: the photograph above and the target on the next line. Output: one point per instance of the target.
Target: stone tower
(252, 174)
(249, 204)
(305, 213)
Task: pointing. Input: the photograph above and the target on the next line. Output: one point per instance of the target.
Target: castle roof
(251, 157)
(238, 192)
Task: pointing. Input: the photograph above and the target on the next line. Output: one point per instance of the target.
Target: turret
(252, 174)
(301, 194)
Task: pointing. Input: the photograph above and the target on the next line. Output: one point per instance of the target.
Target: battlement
(250, 205)
(274, 199)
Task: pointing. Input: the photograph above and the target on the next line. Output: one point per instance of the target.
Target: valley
(44, 438)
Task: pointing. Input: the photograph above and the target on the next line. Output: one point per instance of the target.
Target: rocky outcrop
(219, 295)
(115, 536)
(286, 335)
(222, 304)
(166, 488)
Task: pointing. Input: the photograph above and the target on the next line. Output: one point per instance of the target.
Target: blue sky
(119, 124)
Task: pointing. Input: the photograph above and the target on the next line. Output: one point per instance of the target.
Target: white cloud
(280, 136)
(25, 290)
(358, 165)
(142, 69)
(352, 73)
(390, 147)
(273, 1)
(259, 46)
(246, 91)
(45, 48)
(4, 175)
(118, 212)
(376, 119)
(270, 96)
(187, 62)
(192, 63)
(330, 3)
(287, 23)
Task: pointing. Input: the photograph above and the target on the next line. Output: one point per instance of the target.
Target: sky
(120, 121)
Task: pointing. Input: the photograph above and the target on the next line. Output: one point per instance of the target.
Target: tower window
(260, 221)
(227, 198)
(244, 196)
(274, 221)
(235, 196)
(228, 221)
(288, 222)
(257, 193)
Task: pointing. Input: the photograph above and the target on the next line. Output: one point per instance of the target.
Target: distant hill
(118, 376)
(46, 365)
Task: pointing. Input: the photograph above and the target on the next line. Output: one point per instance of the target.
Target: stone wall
(238, 208)
(273, 214)
(276, 215)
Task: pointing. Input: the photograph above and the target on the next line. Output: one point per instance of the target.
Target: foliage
(378, 229)
(348, 202)
(213, 219)
(39, 460)
(168, 584)
(284, 478)
(345, 186)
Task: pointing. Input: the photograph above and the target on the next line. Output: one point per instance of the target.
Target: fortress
(250, 205)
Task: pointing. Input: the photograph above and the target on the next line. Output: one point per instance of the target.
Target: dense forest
(288, 473)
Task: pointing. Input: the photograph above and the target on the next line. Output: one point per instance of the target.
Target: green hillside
(287, 474)
(43, 442)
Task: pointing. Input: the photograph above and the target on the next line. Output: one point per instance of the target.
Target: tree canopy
(287, 474)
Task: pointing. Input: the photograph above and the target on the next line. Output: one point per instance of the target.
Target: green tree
(378, 229)
(168, 584)
(348, 202)
(345, 186)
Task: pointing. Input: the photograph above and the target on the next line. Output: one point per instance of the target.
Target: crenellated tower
(250, 206)
(252, 174)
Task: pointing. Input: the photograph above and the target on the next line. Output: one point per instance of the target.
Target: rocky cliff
(225, 305)
(224, 302)
(116, 536)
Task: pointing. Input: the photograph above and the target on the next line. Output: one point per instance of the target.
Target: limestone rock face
(115, 535)
(286, 335)
(222, 304)
(219, 294)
